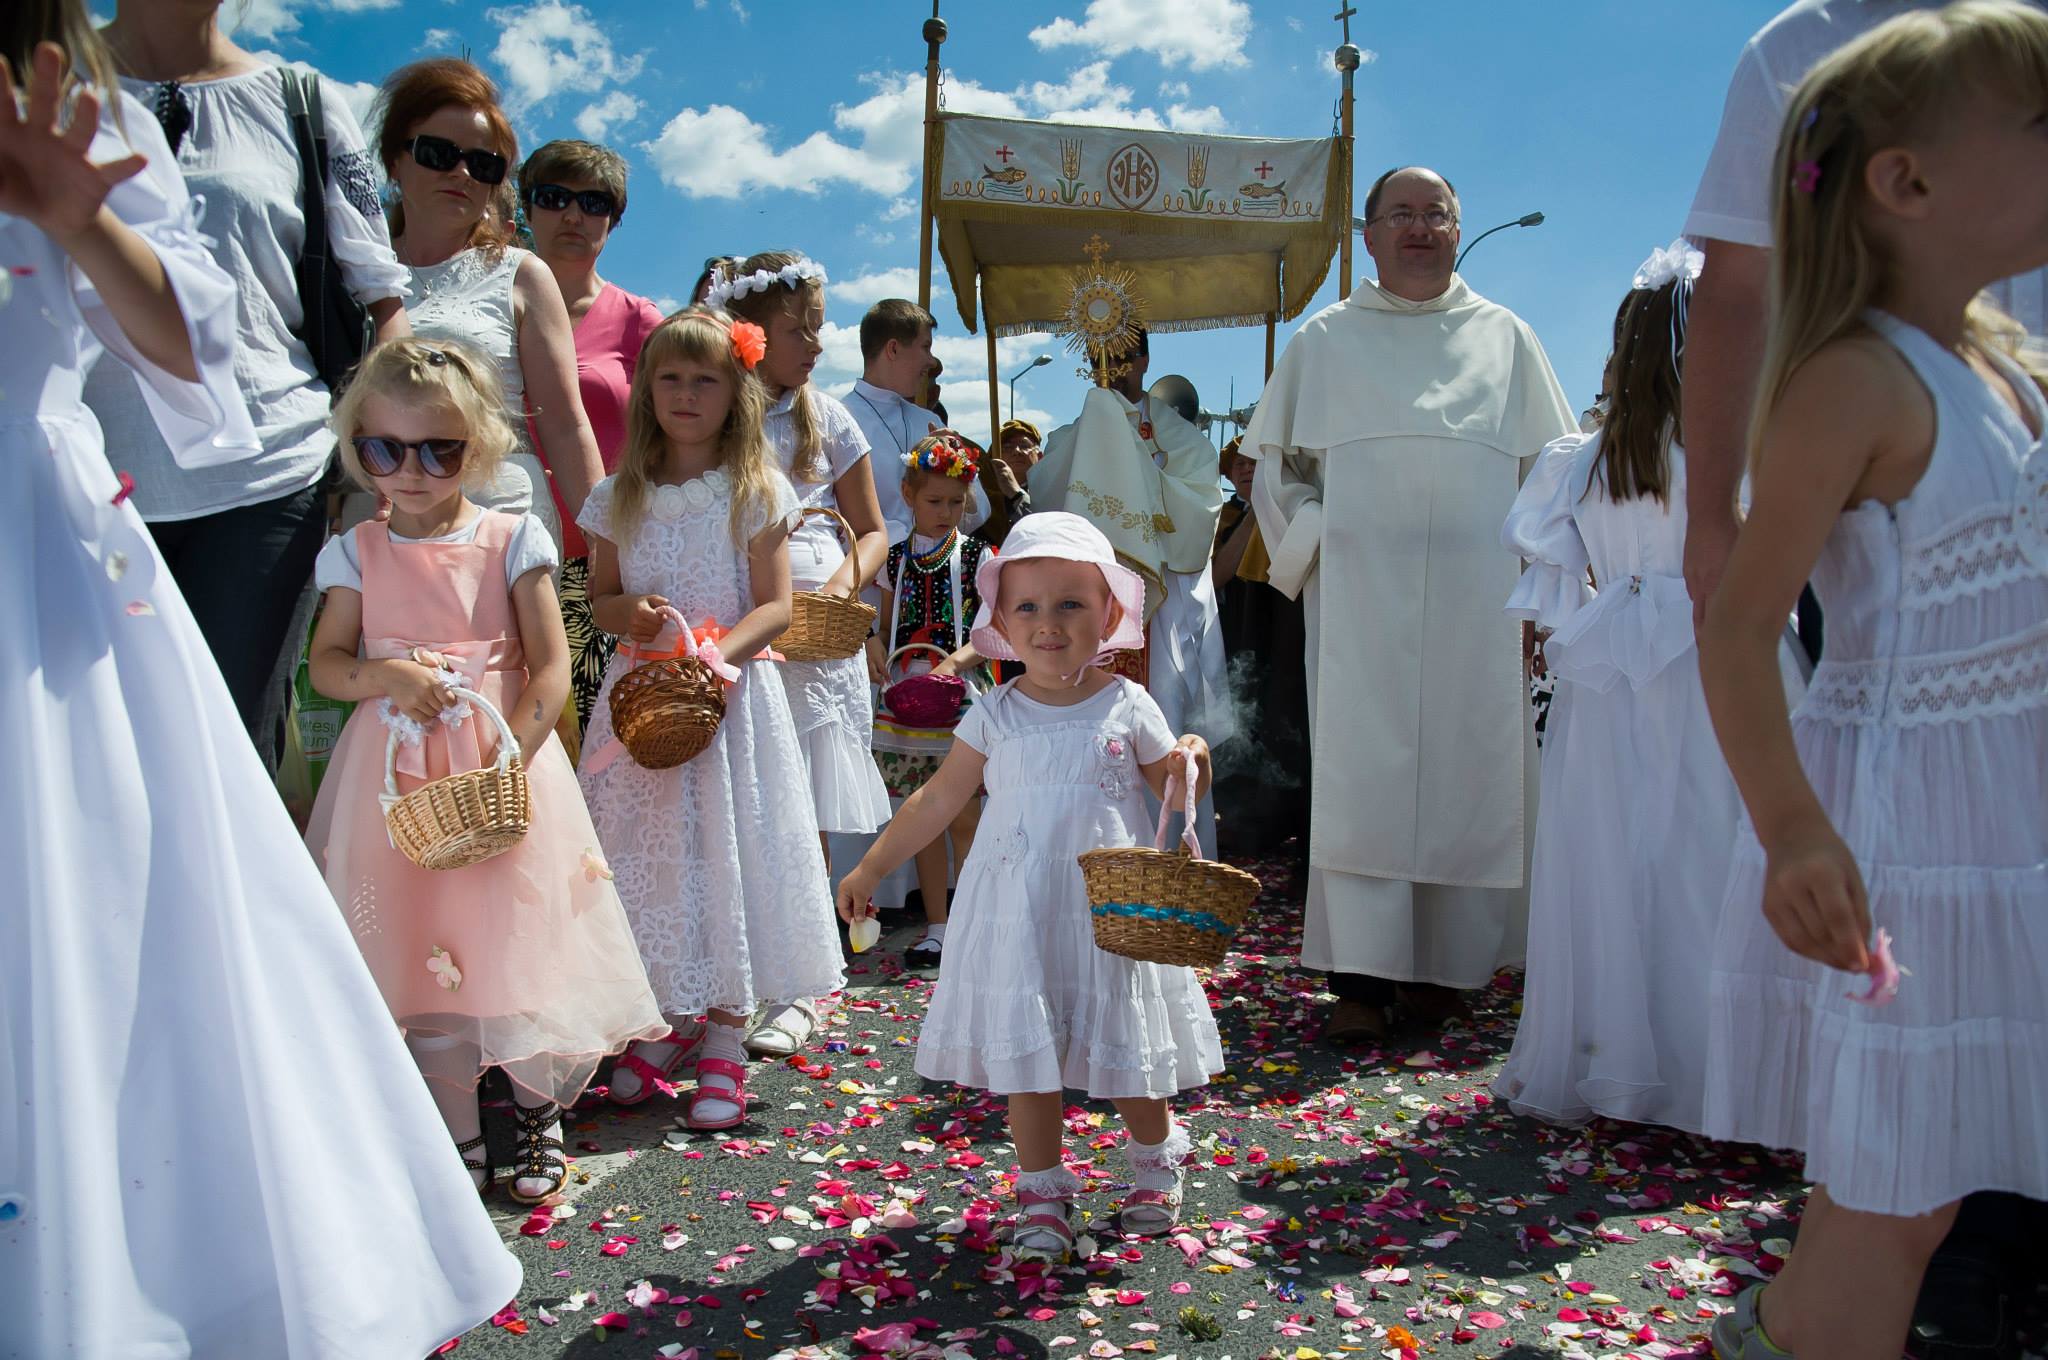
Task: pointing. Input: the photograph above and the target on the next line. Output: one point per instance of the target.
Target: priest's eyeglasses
(1400, 219)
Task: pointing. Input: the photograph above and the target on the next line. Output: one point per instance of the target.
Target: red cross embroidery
(1003, 153)
(1262, 169)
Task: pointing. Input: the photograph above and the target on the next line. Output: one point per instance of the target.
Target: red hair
(411, 95)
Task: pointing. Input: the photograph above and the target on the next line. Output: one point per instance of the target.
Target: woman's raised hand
(47, 175)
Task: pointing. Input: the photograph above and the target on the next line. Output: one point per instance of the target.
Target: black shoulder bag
(335, 328)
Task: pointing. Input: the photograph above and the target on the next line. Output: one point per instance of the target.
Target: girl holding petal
(524, 961)
(718, 858)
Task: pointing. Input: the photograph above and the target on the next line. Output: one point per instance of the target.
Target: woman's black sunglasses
(593, 202)
(439, 155)
(382, 457)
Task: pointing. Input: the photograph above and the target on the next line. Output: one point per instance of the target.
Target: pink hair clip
(1806, 176)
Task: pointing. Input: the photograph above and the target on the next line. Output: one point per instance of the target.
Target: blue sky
(763, 124)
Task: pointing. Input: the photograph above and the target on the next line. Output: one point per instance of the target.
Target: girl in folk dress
(1899, 464)
(1028, 1005)
(521, 962)
(929, 595)
(162, 927)
(822, 451)
(718, 858)
(1638, 810)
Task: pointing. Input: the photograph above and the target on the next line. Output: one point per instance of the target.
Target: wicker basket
(665, 712)
(925, 700)
(1171, 907)
(824, 627)
(462, 819)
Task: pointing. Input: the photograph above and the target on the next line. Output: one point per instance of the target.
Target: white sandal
(783, 1030)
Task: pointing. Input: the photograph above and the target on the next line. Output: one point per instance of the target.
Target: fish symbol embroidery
(1009, 174)
(1263, 190)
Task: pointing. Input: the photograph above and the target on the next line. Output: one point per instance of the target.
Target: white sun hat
(1056, 533)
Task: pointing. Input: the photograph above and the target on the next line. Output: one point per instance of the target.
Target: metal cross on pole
(1348, 58)
(1343, 16)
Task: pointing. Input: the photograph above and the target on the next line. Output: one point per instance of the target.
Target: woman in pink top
(574, 193)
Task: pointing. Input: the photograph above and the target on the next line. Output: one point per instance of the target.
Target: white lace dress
(717, 860)
(832, 701)
(1925, 733)
(1636, 822)
(1027, 1002)
(468, 296)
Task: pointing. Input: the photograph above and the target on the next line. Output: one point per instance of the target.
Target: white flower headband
(794, 275)
(1681, 263)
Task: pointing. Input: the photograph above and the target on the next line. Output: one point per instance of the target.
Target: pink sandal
(648, 1073)
(736, 1097)
(1040, 1228)
(1149, 1213)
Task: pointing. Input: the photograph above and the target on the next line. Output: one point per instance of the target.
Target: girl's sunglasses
(383, 457)
(440, 155)
(593, 202)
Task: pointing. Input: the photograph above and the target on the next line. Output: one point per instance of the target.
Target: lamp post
(1534, 219)
(1040, 362)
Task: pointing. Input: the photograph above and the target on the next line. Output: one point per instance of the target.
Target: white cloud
(357, 6)
(864, 290)
(269, 18)
(1196, 33)
(550, 46)
(963, 386)
(721, 152)
(1173, 89)
(440, 37)
(740, 10)
(595, 122)
(667, 305)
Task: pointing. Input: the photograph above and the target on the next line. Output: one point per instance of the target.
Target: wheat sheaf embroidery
(1101, 507)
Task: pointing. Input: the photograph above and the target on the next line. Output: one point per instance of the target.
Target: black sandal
(490, 1172)
(540, 1157)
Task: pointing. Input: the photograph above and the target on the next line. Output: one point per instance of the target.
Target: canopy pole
(934, 34)
(995, 400)
(1272, 322)
(1347, 62)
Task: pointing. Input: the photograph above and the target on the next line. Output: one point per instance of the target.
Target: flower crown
(749, 343)
(946, 452)
(727, 287)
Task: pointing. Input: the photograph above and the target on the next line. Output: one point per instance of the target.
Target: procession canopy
(1219, 231)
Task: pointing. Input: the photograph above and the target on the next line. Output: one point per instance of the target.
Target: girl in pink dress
(523, 962)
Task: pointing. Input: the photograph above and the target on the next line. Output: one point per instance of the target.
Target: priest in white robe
(1390, 442)
(1148, 479)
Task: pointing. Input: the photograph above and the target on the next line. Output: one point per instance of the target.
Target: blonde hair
(698, 335)
(1828, 269)
(447, 373)
(761, 307)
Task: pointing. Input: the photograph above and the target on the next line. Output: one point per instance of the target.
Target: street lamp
(1040, 362)
(1534, 219)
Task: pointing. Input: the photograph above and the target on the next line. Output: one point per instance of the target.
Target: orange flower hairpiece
(749, 343)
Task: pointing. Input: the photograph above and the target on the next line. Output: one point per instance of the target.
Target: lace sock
(1157, 1166)
(726, 1042)
(1056, 1183)
(451, 1066)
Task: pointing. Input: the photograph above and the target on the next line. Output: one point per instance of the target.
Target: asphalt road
(1375, 1202)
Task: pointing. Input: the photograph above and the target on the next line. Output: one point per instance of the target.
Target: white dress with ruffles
(1925, 733)
(832, 702)
(1027, 1002)
(1638, 811)
(717, 860)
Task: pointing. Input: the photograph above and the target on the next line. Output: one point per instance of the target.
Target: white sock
(655, 1052)
(720, 1041)
(1157, 1166)
(936, 931)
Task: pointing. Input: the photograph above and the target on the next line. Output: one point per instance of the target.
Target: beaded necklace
(935, 557)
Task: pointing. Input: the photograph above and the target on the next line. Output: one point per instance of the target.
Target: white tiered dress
(212, 1140)
(1027, 1002)
(1925, 733)
(832, 702)
(1638, 811)
(716, 860)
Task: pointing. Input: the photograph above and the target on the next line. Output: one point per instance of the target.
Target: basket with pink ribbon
(666, 710)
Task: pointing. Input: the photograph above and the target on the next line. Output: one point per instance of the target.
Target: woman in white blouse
(449, 148)
(240, 537)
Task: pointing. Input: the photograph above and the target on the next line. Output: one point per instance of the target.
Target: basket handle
(672, 615)
(914, 647)
(508, 741)
(1187, 830)
(845, 529)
